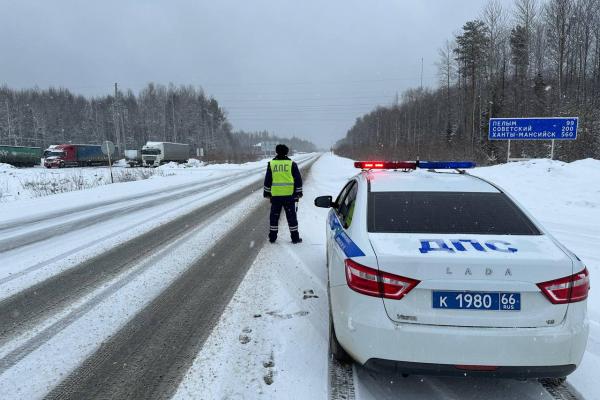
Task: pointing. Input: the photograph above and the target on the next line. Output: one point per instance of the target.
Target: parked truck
(20, 156)
(157, 153)
(133, 157)
(74, 155)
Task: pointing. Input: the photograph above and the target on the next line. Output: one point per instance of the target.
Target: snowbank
(25, 183)
(565, 198)
(4, 166)
(191, 163)
(122, 163)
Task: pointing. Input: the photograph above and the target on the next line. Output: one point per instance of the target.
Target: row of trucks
(152, 154)
(20, 156)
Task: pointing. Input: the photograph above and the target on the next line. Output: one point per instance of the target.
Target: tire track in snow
(39, 218)
(149, 357)
(22, 310)
(22, 222)
(47, 232)
(22, 350)
(341, 381)
(560, 391)
(112, 234)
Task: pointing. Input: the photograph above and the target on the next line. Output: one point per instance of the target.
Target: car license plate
(496, 301)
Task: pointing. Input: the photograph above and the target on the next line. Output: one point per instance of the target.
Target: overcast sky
(303, 67)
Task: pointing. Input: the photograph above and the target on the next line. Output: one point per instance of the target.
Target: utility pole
(8, 122)
(421, 73)
(418, 122)
(116, 121)
(122, 121)
(174, 126)
(211, 133)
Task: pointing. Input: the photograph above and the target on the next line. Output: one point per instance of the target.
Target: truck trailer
(157, 153)
(74, 155)
(20, 156)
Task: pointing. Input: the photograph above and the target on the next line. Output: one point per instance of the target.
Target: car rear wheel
(335, 348)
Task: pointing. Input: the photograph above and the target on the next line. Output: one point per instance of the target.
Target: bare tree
(543, 61)
(446, 74)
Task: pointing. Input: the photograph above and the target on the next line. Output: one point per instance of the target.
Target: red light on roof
(385, 164)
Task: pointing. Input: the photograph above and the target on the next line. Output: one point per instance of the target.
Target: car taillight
(569, 289)
(373, 282)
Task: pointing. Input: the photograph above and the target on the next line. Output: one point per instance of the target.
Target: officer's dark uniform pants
(289, 205)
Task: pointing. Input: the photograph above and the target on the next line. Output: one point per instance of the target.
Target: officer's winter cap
(281, 150)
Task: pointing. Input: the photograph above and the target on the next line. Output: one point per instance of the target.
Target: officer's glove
(266, 195)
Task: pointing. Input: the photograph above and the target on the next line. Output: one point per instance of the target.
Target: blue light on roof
(446, 164)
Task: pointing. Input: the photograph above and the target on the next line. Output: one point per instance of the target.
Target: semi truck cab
(151, 155)
(55, 158)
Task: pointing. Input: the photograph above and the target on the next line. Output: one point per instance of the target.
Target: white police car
(442, 272)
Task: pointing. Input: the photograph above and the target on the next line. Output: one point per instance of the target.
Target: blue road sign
(533, 128)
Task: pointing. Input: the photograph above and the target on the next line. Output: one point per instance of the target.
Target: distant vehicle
(47, 152)
(157, 153)
(74, 155)
(133, 157)
(20, 156)
(436, 272)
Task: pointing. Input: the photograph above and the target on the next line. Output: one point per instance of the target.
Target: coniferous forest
(184, 114)
(526, 59)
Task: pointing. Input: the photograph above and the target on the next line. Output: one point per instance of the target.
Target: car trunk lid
(473, 263)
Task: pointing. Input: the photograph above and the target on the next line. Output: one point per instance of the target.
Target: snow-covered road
(64, 294)
(128, 294)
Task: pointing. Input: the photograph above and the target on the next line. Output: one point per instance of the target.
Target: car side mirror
(324, 201)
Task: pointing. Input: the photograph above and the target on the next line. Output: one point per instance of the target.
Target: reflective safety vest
(283, 181)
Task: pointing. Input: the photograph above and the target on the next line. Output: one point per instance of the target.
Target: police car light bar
(385, 164)
(446, 164)
(414, 164)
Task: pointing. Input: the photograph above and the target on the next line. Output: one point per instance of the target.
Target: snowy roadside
(15, 183)
(271, 342)
(565, 198)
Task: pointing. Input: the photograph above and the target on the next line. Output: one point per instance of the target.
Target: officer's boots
(272, 236)
(296, 237)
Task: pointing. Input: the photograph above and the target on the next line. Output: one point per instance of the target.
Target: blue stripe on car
(349, 248)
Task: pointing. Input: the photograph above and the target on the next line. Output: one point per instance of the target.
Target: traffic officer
(283, 186)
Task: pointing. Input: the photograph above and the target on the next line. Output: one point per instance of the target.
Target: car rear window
(447, 212)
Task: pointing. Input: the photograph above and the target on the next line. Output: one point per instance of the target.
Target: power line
(250, 83)
(302, 107)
